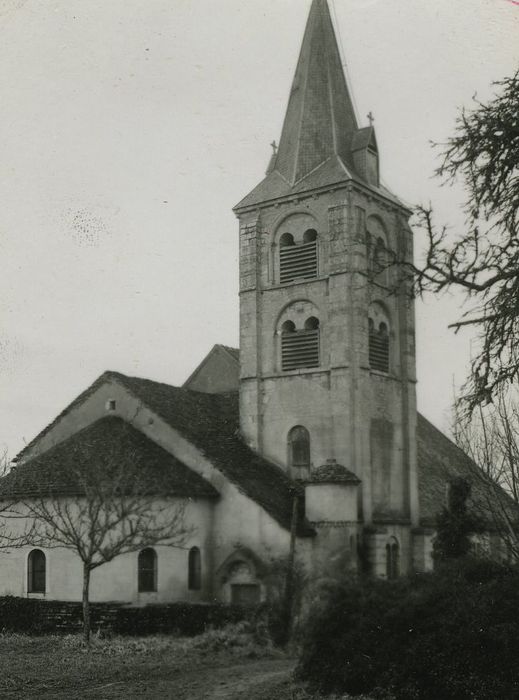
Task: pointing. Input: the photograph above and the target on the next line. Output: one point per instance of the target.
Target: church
(306, 439)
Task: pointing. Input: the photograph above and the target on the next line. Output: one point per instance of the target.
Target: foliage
(483, 261)
(123, 667)
(188, 619)
(455, 524)
(452, 634)
(34, 616)
(283, 615)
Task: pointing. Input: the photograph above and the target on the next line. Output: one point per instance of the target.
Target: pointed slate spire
(320, 120)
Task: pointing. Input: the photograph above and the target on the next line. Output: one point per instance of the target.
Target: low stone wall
(35, 616)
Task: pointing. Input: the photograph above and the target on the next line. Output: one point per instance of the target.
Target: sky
(131, 127)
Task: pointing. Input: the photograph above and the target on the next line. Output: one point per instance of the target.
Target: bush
(34, 616)
(187, 619)
(19, 615)
(453, 635)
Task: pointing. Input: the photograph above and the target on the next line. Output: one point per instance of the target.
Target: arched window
(299, 447)
(286, 239)
(309, 235)
(298, 261)
(36, 572)
(194, 575)
(147, 565)
(300, 347)
(392, 559)
(378, 345)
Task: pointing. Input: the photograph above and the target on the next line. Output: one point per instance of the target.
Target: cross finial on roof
(371, 118)
(274, 147)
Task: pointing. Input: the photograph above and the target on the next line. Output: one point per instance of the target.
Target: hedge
(36, 616)
(452, 635)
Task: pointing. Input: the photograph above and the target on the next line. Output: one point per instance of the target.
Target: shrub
(453, 635)
(34, 616)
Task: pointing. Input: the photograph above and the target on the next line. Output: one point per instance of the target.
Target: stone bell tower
(326, 337)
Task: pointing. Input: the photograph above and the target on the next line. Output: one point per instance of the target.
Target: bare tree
(482, 260)
(490, 437)
(7, 537)
(100, 504)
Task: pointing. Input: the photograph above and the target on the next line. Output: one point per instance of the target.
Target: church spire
(320, 120)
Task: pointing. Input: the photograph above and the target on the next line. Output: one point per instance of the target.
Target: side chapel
(319, 403)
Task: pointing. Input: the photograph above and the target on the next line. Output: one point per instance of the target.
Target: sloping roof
(330, 173)
(211, 423)
(234, 352)
(320, 129)
(320, 119)
(101, 449)
(363, 138)
(220, 381)
(439, 461)
(333, 473)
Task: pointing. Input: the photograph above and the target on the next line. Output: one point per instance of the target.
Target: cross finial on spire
(371, 118)
(274, 147)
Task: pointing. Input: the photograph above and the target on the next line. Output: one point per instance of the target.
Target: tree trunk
(86, 604)
(288, 607)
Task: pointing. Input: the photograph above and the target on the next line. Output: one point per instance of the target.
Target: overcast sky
(129, 130)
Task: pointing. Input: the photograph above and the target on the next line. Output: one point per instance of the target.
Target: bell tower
(326, 332)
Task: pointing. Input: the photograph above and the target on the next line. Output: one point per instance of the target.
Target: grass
(147, 667)
(48, 664)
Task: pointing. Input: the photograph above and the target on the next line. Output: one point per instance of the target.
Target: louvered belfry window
(298, 261)
(378, 347)
(300, 347)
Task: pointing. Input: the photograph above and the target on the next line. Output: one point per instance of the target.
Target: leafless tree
(490, 437)
(98, 507)
(7, 538)
(482, 260)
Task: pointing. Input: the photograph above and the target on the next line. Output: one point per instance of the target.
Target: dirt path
(253, 680)
(256, 685)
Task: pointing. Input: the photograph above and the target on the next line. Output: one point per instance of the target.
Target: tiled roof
(320, 118)
(439, 461)
(234, 352)
(333, 473)
(211, 423)
(98, 449)
(362, 138)
(320, 130)
(330, 173)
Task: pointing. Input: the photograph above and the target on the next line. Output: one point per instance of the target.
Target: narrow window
(378, 346)
(111, 405)
(299, 447)
(379, 256)
(300, 348)
(298, 261)
(194, 577)
(147, 565)
(36, 572)
(392, 559)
